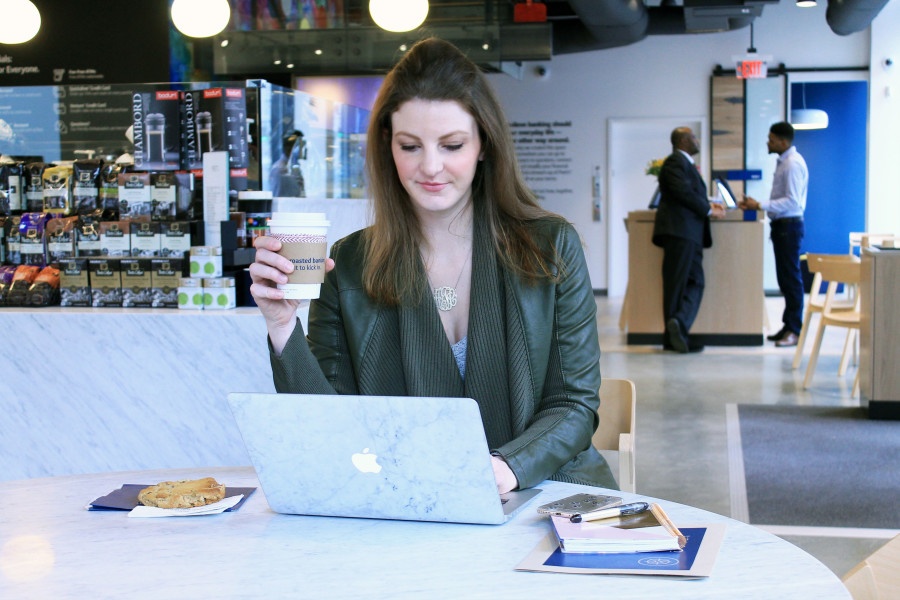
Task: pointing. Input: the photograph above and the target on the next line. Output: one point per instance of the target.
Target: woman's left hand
(506, 479)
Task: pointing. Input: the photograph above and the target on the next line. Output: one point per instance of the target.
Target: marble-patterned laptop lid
(409, 458)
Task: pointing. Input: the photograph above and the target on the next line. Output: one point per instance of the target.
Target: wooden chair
(877, 577)
(816, 301)
(834, 271)
(614, 438)
(858, 241)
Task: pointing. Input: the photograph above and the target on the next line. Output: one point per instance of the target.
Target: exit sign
(751, 66)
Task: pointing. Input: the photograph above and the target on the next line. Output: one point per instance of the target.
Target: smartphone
(579, 504)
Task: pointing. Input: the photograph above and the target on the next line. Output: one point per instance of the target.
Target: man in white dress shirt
(785, 207)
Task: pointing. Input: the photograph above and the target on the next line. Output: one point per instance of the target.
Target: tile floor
(681, 447)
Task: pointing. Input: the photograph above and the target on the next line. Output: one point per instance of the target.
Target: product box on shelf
(60, 238)
(32, 239)
(135, 200)
(214, 119)
(86, 185)
(163, 196)
(105, 281)
(34, 186)
(156, 127)
(87, 236)
(13, 240)
(74, 283)
(44, 290)
(11, 173)
(57, 192)
(174, 238)
(206, 261)
(218, 293)
(22, 278)
(165, 278)
(136, 282)
(108, 192)
(190, 293)
(145, 238)
(115, 238)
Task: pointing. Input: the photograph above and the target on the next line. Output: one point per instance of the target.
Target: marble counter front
(92, 390)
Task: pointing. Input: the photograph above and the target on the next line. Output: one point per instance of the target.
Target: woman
(463, 285)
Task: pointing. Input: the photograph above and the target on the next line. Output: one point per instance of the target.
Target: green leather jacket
(549, 365)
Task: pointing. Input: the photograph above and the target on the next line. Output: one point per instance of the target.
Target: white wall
(658, 77)
(883, 203)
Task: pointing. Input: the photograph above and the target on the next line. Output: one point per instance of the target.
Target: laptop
(375, 457)
(724, 192)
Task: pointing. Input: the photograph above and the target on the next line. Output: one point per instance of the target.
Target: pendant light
(808, 118)
(806, 3)
(200, 18)
(398, 15)
(21, 21)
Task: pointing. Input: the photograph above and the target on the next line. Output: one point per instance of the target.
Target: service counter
(93, 390)
(879, 321)
(732, 312)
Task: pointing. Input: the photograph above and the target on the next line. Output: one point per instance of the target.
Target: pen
(608, 513)
(667, 524)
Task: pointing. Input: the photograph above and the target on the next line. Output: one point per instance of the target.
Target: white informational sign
(545, 157)
(215, 196)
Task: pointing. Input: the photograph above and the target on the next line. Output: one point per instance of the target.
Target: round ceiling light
(809, 118)
(200, 18)
(21, 21)
(398, 15)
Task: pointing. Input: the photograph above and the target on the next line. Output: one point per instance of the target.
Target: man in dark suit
(681, 229)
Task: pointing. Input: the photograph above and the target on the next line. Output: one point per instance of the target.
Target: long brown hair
(434, 69)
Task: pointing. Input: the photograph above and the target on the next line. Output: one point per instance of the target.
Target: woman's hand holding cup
(267, 271)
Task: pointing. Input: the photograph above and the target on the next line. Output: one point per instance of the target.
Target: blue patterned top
(459, 353)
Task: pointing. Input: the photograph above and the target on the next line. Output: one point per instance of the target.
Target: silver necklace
(445, 296)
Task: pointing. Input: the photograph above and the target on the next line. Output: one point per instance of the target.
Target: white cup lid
(299, 219)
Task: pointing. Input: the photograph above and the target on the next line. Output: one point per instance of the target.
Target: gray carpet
(820, 467)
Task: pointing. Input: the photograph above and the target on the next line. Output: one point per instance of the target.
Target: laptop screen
(725, 193)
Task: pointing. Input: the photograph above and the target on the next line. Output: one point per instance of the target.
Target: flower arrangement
(654, 166)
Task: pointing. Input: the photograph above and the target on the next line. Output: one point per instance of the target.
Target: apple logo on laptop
(365, 462)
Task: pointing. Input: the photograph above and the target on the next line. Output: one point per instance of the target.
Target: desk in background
(50, 547)
(732, 312)
(879, 333)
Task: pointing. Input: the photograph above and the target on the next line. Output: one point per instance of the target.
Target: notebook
(377, 457)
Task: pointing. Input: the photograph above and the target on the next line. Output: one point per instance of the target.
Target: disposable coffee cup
(303, 242)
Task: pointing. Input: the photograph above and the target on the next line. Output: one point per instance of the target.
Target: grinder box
(74, 284)
(156, 127)
(165, 277)
(106, 282)
(136, 282)
(214, 119)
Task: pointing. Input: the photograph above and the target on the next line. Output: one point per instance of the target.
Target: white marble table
(51, 547)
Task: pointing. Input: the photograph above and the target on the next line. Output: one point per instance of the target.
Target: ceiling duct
(849, 16)
(601, 24)
(486, 31)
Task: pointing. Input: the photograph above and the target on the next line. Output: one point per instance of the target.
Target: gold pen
(667, 523)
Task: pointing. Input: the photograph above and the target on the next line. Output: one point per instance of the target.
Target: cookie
(182, 494)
